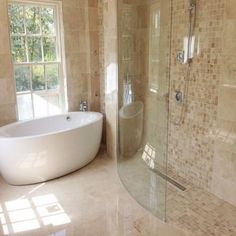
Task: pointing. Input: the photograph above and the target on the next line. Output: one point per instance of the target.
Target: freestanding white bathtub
(46, 148)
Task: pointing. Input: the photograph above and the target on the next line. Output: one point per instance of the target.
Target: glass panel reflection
(144, 29)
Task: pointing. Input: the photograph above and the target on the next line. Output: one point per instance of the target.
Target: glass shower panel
(144, 47)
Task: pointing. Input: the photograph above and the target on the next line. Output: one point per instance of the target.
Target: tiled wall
(109, 70)
(202, 150)
(81, 33)
(224, 161)
(7, 91)
(157, 80)
(191, 145)
(144, 35)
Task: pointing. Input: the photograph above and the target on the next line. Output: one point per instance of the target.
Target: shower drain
(168, 179)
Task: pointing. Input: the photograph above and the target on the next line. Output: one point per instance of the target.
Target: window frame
(60, 54)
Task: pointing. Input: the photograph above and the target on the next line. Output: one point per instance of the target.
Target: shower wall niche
(144, 46)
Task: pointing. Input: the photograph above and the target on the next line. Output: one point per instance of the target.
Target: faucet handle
(83, 105)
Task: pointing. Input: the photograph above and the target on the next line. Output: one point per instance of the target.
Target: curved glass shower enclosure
(144, 48)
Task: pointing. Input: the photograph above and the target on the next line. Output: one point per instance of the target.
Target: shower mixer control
(180, 57)
(178, 96)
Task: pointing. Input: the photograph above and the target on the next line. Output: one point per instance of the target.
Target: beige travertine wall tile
(191, 144)
(93, 18)
(75, 18)
(75, 3)
(230, 9)
(8, 113)
(82, 53)
(224, 167)
(108, 70)
(7, 94)
(94, 41)
(227, 103)
(7, 91)
(77, 41)
(93, 3)
(6, 65)
(202, 149)
(5, 45)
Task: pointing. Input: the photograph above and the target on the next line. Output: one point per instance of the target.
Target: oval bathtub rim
(49, 133)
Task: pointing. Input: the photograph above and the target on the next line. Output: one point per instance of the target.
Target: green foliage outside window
(52, 72)
(38, 80)
(22, 76)
(33, 39)
(16, 16)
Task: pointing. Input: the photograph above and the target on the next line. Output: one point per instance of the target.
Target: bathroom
(118, 117)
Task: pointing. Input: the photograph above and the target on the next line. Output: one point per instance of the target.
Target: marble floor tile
(91, 201)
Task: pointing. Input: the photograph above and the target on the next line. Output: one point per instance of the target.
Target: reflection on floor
(21, 215)
(91, 201)
(146, 186)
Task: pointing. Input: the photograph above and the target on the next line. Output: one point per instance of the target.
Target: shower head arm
(192, 4)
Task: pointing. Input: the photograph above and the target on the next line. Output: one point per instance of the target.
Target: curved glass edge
(144, 29)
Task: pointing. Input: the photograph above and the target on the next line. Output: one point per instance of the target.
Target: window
(36, 54)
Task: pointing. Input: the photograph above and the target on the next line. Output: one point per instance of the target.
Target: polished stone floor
(148, 188)
(93, 201)
(200, 212)
(194, 210)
